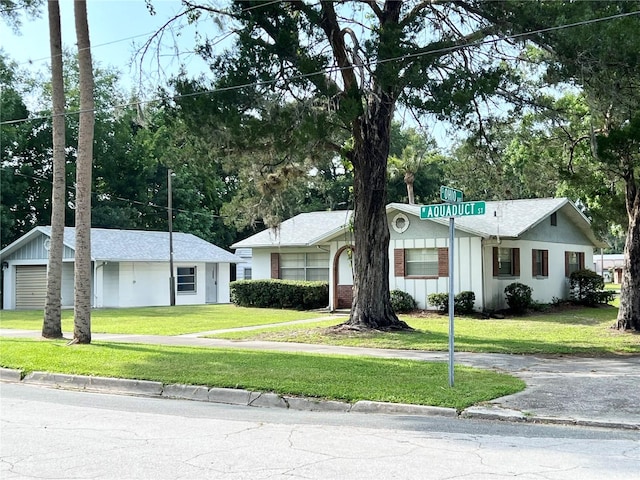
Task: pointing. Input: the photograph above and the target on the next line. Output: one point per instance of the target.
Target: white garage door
(31, 286)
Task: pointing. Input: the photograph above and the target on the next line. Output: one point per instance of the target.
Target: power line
(363, 64)
(127, 200)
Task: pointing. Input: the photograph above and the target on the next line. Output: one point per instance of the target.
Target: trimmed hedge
(287, 294)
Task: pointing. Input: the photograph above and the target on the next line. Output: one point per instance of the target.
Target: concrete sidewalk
(599, 391)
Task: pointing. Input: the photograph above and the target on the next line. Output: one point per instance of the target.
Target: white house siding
(428, 234)
(135, 278)
(224, 292)
(557, 239)
(544, 289)
(110, 280)
(261, 263)
(67, 285)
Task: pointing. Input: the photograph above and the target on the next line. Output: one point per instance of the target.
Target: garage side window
(186, 279)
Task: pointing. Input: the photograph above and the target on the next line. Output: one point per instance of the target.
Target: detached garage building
(130, 269)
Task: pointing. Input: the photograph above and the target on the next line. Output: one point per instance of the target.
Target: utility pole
(172, 280)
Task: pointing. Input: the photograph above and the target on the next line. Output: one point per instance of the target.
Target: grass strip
(320, 376)
(176, 320)
(575, 331)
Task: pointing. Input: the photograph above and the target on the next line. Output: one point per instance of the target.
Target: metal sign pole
(451, 298)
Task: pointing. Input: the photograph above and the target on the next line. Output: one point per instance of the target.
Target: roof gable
(302, 230)
(513, 218)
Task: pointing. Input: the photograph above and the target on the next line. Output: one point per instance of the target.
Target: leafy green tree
(25, 152)
(11, 11)
(603, 58)
(415, 166)
(359, 59)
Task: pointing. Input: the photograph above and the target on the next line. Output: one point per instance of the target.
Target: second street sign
(448, 210)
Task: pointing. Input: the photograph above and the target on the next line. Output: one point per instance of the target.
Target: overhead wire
(336, 69)
(70, 188)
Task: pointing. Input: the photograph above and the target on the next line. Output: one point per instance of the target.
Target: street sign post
(454, 207)
(450, 210)
(451, 195)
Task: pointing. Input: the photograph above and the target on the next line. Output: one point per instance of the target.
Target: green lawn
(573, 330)
(320, 376)
(159, 320)
(569, 330)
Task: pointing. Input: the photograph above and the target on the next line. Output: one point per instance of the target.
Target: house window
(421, 262)
(506, 262)
(540, 263)
(304, 266)
(186, 279)
(554, 219)
(247, 273)
(573, 261)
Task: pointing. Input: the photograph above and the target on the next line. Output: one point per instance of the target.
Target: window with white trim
(305, 266)
(421, 262)
(186, 279)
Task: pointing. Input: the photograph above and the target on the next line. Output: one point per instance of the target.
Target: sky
(116, 27)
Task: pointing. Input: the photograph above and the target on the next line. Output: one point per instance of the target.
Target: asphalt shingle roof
(507, 218)
(303, 229)
(146, 246)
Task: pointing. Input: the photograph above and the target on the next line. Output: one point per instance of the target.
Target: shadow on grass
(345, 378)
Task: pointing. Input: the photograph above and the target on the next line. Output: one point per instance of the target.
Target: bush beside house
(462, 302)
(273, 293)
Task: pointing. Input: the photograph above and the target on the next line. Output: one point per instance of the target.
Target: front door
(211, 295)
(343, 279)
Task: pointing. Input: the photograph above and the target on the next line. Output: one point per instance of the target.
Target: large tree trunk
(629, 313)
(82, 314)
(52, 327)
(371, 306)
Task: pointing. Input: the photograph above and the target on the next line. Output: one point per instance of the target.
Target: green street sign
(450, 195)
(448, 210)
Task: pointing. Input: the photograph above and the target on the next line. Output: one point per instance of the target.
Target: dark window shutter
(534, 262)
(443, 262)
(496, 266)
(275, 265)
(581, 260)
(515, 258)
(566, 263)
(398, 262)
(545, 263)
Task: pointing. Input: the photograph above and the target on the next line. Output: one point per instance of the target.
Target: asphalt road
(58, 434)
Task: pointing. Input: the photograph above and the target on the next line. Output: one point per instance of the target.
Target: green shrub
(280, 294)
(518, 297)
(586, 287)
(462, 302)
(402, 302)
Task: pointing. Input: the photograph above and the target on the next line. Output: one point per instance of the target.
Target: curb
(232, 396)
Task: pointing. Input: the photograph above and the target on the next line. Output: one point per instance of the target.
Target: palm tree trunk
(52, 327)
(82, 314)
